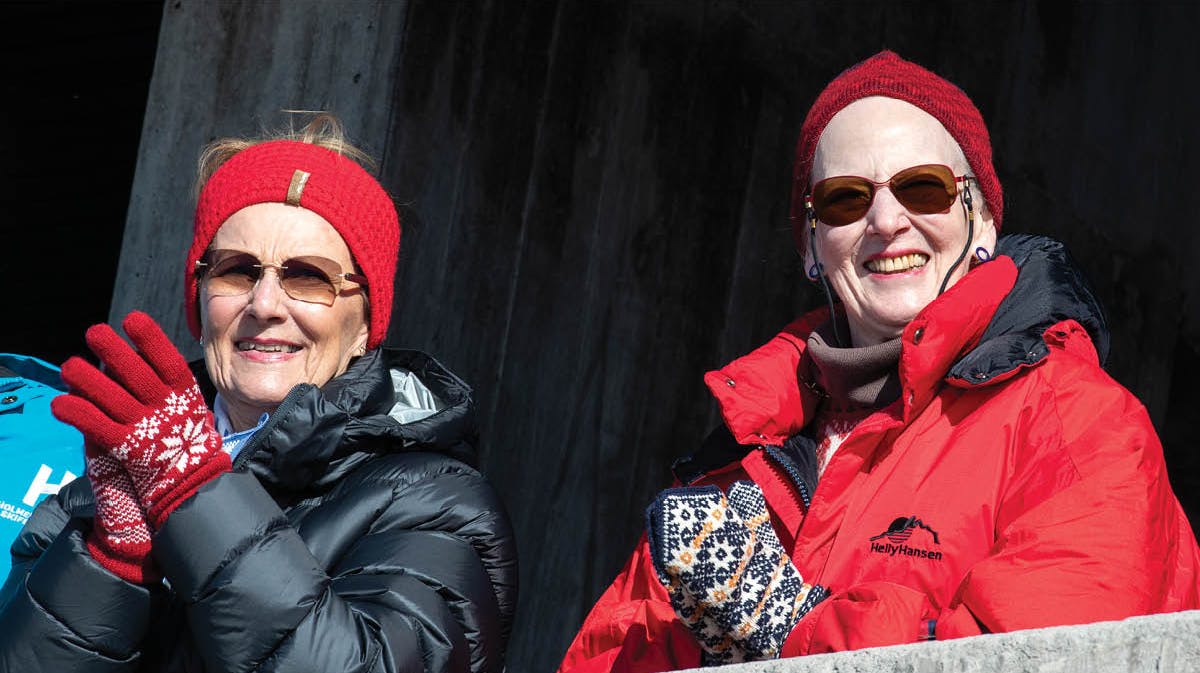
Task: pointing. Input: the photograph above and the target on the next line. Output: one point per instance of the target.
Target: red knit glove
(120, 537)
(149, 416)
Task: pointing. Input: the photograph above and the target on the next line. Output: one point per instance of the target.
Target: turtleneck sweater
(856, 381)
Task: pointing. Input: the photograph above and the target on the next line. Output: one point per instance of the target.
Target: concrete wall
(1156, 644)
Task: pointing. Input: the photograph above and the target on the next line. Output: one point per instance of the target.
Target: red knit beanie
(886, 74)
(321, 180)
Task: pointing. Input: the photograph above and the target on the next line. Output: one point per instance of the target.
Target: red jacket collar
(762, 401)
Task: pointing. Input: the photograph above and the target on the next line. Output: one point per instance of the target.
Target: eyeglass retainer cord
(812, 244)
(969, 211)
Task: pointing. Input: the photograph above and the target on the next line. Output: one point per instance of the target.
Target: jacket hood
(318, 434)
(1049, 288)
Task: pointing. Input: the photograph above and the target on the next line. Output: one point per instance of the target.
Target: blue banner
(38, 454)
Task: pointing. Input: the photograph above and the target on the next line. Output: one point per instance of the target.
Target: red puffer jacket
(1014, 487)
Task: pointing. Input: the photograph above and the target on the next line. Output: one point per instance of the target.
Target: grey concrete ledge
(1158, 644)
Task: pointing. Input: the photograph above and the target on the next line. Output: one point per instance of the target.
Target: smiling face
(889, 265)
(259, 345)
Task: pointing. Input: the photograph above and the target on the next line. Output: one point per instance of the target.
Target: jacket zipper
(783, 462)
(251, 446)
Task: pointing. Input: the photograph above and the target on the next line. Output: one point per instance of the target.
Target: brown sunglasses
(310, 278)
(844, 199)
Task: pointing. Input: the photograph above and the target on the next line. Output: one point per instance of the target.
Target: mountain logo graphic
(902, 528)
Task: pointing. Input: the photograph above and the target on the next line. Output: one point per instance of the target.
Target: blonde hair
(322, 129)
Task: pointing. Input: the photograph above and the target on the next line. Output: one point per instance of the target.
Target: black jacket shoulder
(343, 540)
(1050, 288)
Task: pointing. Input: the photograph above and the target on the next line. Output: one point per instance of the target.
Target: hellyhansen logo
(898, 534)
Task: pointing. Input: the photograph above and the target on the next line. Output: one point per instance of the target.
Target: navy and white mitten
(728, 576)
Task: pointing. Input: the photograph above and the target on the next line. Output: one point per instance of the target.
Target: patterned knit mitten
(787, 597)
(146, 412)
(728, 577)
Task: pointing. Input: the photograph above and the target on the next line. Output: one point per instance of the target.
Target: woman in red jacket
(937, 454)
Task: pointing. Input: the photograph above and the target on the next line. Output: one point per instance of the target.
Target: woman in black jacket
(305, 500)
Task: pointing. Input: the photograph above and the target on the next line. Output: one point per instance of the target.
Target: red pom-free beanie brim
(886, 74)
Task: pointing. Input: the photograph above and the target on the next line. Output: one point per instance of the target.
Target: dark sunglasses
(309, 278)
(924, 189)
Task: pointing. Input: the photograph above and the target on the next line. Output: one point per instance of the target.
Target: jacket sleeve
(49, 619)
(1088, 530)
(427, 586)
(632, 628)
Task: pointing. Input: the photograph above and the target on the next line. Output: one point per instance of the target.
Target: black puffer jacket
(343, 541)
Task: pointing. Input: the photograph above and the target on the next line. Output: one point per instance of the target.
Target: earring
(982, 255)
(814, 272)
(201, 340)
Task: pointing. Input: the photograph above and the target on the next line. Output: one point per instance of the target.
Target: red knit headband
(321, 180)
(886, 74)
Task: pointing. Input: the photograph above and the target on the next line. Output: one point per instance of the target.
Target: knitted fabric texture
(146, 413)
(857, 380)
(831, 428)
(120, 537)
(886, 74)
(171, 452)
(337, 189)
(729, 579)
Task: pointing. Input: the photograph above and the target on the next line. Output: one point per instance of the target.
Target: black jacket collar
(316, 435)
(1050, 288)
